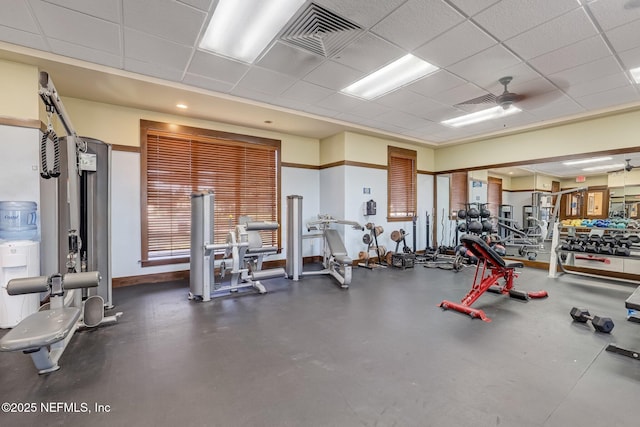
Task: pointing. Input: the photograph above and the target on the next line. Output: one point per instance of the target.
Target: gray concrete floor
(310, 354)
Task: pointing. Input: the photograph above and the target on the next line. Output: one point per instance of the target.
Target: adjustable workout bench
(44, 335)
(632, 303)
(490, 268)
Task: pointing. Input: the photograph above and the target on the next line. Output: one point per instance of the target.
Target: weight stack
(403, 260)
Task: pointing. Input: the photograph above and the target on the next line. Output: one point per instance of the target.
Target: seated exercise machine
(79, 200)
(490, 268)
(44, 335)
(335, 259)
(241, 256)
(632, 303)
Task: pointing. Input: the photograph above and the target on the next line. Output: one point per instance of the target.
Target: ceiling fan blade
(484, 99)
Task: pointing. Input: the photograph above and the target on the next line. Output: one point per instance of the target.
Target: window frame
(200, 135)
(394, 153)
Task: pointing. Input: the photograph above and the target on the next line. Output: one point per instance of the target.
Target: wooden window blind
(401, 184)
(243, 172)
(458, 192)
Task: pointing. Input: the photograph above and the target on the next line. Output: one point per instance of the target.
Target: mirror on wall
(530, 196)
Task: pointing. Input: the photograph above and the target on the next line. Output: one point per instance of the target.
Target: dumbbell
(601, 324)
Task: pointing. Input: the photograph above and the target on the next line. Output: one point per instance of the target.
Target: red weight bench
(490, 268)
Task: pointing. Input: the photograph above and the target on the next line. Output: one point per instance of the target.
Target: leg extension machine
(44, 335)
(490, 268)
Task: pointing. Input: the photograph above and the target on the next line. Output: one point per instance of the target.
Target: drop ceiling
(570, 59)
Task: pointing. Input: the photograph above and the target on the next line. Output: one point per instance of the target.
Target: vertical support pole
(201, 260)
(294, 237)
(553, 259)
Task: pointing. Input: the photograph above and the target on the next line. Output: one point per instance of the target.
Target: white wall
(305, 183)
(19, 163)
(445, 228)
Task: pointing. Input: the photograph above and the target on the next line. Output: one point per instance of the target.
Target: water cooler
(19, 257)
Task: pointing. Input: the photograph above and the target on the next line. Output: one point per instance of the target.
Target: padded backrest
(481, 249)
(335, 242)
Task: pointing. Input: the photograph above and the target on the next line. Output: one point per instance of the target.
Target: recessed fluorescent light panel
(604, 167)
(591, 160)
(242, 29)
(481, 116)
(390, 77)
(635, 73)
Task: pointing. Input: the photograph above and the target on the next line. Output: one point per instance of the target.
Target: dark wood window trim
(194, 158)
(401, 184)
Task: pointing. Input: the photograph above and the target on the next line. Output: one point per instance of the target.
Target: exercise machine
(632, 304)
(241, 256)
(78, 198)
(335, 259)
(44, 335)
(489, 270)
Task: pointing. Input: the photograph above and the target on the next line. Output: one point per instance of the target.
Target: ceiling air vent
(320, 31)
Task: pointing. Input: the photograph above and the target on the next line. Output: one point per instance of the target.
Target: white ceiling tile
(598, 85)
(416, 22)
(214, 66)
(333, 75)
(618, 96)
(86, 54)
(586, 72)
(289, 60)
(340, 103)
(16, 14)
(147, 48)
(265, 81)
(486, 65)
(206, 83)
(530, 88)
(306, 92)
(198, 4)
(437, 82)
(459, 94)
(254, 95)
(582, 52)
(363, 12)
(402, 99)
(612, 13)
(103, 9)
(153, 70)
(77, 28)
(321, 111)
(563, 106)
(22, 38)
(562, 31)
(164, 18)
(455, 44)
(370, 109)
(626, 36)
(630, 58)
(472, 7)
(443, 113)
(506, 19)
(402, 119)
(368, 53)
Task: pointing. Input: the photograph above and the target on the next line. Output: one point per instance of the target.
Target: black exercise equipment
(490, 268)
(487, 226)
(473, 213)
(631, 303)
(462, 214)
(600, 324)
(474, 227)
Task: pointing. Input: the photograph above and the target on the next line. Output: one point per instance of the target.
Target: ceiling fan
(504, 100)
(627, 167)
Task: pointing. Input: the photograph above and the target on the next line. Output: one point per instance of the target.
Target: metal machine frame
(239, 256)
(335, 260)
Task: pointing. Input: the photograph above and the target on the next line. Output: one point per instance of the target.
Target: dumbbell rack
(561, 258)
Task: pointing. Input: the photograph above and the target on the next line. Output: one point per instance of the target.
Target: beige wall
(120, 125)
(369, 149)
(604, 133)
(522, 183)
(19, 91)
(332, 149)
(506, 180)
